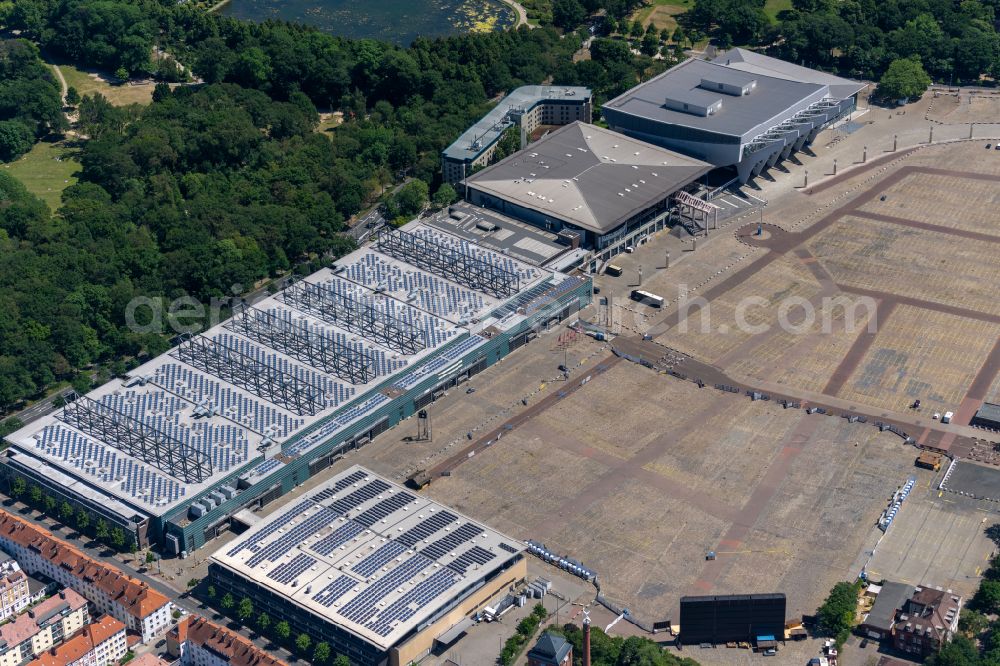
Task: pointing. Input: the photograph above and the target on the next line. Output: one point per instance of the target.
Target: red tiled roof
(24, 625)
(84, 642)
(238, 650)
(138, 598)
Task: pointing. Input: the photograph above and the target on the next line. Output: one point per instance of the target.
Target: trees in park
(16, 139)
(568, 14)
(302, 643)
(904, 79)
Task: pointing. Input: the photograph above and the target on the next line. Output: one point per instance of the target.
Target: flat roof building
(374, 569)
(987, 416)
(596, 182)
(232, 418)
(526, 109)
(742, 110)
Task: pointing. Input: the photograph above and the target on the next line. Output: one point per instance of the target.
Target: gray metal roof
(758, 63)
(588, 176)
(771, 98)
(489, 128)
(989, 412)
(889, 600)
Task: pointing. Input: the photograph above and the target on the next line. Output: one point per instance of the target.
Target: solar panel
(474, 555)
(446, 544)
(360, 496)
(384, 508)
(337, 538)
(506, 546)
(425, 529)
(289, 571)
(271, 528)
(293, 537)
(361, 608)
(378, 559)
(407, 605)
(335, 590)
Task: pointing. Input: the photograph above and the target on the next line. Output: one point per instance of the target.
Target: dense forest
(954, 41)
(214, 187)
(30, 107)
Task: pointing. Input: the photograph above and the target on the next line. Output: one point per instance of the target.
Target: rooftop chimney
(586, 637)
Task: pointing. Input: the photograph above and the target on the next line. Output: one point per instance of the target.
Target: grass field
(119, 95)
(661, 13)
(46, 171)
(773, 7)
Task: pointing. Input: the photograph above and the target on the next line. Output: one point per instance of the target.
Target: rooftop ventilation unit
(734, 88)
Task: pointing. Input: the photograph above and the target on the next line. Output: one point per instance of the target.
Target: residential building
(197, 642)
(46, 625)
(15, 594)
(551, 650)
(143, 610)
(99, 644)
(926, 621)
(889, 599)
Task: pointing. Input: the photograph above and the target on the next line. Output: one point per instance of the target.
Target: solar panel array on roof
(337, 538)
(378, 559)
(367, 554)
(445, 545)
(384, 508)
(335, 590)
(359, 496)
(289, 571)
(426, 528)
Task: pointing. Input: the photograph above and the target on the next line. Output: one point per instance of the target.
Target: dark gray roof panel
(739, 115)
(588, 176)
(758, 63)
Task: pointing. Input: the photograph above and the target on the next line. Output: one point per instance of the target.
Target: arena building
(742, 110)
(605, 188)
(233, 418)
(526, 108)
(376, 571)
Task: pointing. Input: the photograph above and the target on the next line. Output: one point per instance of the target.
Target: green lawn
(119, 95)
(661, 13)
(46, 171)
(773, 7)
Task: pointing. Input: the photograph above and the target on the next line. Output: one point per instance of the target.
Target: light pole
(834, 166)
